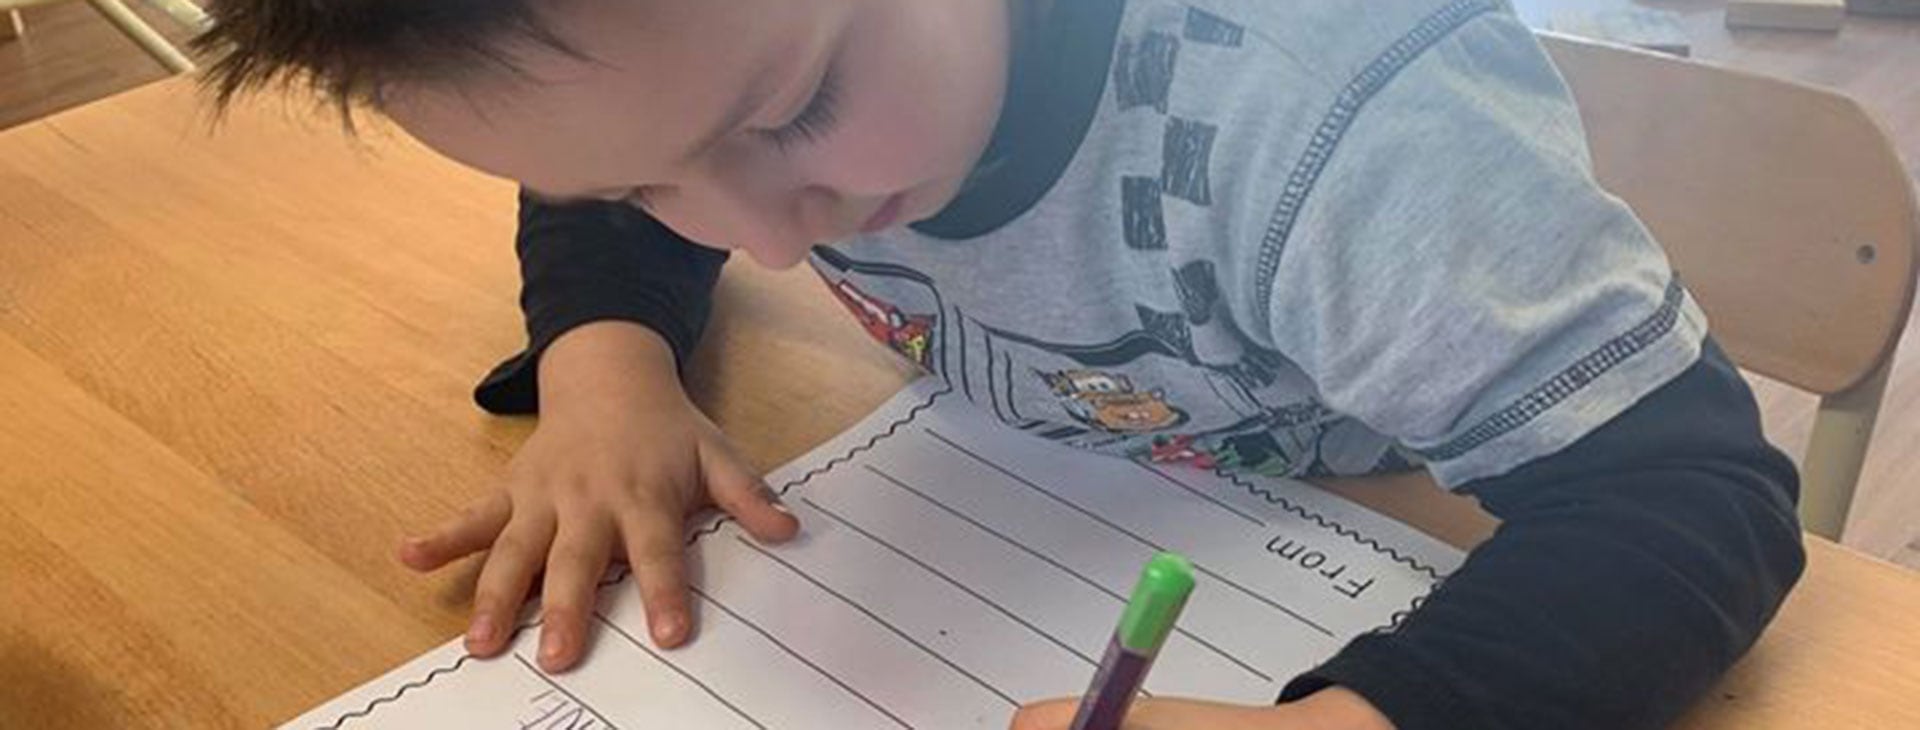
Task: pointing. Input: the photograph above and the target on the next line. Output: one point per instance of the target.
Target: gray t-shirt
(1304, 238)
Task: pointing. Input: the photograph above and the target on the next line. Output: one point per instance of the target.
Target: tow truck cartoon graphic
(907, 334)
(1110, 402)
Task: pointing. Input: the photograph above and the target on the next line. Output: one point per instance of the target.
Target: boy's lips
(889, 212)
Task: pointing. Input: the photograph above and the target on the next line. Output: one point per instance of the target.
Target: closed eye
(814, 122)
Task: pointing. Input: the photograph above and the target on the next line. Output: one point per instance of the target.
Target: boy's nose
(819, 214)
(778, 231)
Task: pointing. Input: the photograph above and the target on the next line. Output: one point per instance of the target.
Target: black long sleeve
(591, 261)
(1630, 571)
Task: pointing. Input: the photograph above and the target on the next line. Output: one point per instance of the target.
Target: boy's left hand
(1334, 708)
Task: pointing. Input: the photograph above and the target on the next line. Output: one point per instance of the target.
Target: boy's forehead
(638, 87)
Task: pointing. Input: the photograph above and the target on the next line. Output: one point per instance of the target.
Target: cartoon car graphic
(1110, 402)
(907, 334)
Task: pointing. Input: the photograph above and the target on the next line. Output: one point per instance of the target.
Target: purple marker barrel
(1113, 689)
(1157, 599)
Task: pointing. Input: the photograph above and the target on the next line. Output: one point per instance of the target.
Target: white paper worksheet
(949, 569)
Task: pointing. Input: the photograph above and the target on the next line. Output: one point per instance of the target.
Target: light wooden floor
(70, 56)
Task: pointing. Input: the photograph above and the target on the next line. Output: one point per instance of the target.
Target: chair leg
(149, 40)
(1836, 451)
(185, 13)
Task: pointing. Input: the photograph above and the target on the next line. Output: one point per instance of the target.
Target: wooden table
(234, 370)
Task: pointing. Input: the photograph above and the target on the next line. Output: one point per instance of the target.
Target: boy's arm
(1631, 570)
(591, 261)
(621, 458)
(1454, 277)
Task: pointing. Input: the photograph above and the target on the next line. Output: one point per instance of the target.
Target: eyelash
(814, 122)
(811, 125)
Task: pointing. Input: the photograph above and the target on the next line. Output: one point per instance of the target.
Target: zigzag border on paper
(623, 573)
(1399, 617)
(1330, 524)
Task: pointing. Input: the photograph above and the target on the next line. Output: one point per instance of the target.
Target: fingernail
(482, 629)
(667, 628)
(552, 644)
(779, 505)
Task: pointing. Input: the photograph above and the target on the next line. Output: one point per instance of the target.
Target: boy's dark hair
(352, 51)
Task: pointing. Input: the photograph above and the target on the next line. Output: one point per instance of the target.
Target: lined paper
(949, 569)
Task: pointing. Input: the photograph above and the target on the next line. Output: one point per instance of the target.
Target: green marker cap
(1157, 599)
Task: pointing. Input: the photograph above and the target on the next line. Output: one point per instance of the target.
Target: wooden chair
(122, 17)
(1790, 217)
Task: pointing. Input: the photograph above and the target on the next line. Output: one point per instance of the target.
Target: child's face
(712, 114)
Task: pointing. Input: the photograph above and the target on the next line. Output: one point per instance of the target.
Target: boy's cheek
(885, 152)
(919, 109)
(689, 229)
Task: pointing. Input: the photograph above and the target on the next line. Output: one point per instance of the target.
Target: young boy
(1304, 238)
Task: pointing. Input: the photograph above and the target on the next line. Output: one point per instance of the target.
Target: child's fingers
(734, 488)
(1049, 715)
(657, 553)
(459, 537)
(517, 554)
(579, 557)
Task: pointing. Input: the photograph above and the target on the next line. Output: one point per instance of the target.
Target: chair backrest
(1783, 207)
